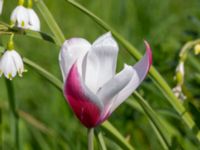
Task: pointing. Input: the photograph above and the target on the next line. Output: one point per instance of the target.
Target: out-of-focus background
(167, 25)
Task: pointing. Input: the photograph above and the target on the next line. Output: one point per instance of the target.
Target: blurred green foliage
(166, 25)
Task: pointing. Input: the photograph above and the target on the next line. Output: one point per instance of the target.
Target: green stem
(184, 51)
(91, 139)
(12, 104)
(155, 121)
(48, 17)
(101, 140)
(55, 81)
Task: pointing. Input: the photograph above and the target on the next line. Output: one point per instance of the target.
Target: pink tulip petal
(84, 103)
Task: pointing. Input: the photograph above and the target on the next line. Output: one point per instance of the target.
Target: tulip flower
(1, 6)
(91, 87)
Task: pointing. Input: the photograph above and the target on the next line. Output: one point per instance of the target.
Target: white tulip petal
(34, 21)
(101, 62)
(141, 69)
(115, 85)
(107, 94)
(1, 6)
(71, 51)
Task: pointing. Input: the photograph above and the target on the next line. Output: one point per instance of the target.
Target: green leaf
(161, 131)
(155, 75)
(30, 33)
(51, 78)
(100, 138)
(60, 38)
(113, 132)
(35, 34)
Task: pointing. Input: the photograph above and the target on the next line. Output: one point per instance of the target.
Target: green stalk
(55, 81)
(155, 75)
(12, 104)
(101, 141)
(91, 139)
(118, 138)
(50, 21)
(184, 51)
(153, 117)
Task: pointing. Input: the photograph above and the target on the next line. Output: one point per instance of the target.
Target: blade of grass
(132, 102)
(160, 129)
(48, 17)
(100, 138)
(110, 130)
(55, 81)
(155, 75)
(40, 126)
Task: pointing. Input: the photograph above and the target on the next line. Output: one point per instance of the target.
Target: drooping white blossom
(19, 17)
(10, 64)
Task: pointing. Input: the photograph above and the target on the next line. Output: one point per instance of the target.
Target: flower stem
(91, 139)
(14, 113)
(10, 45)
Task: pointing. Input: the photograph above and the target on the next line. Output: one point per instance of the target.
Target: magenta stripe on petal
(85, 109)
(149, 53)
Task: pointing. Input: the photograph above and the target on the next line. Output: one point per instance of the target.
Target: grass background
(166, 25)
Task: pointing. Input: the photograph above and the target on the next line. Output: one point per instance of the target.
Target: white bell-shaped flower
(19, 17)
(33, 20)
(10, 64)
